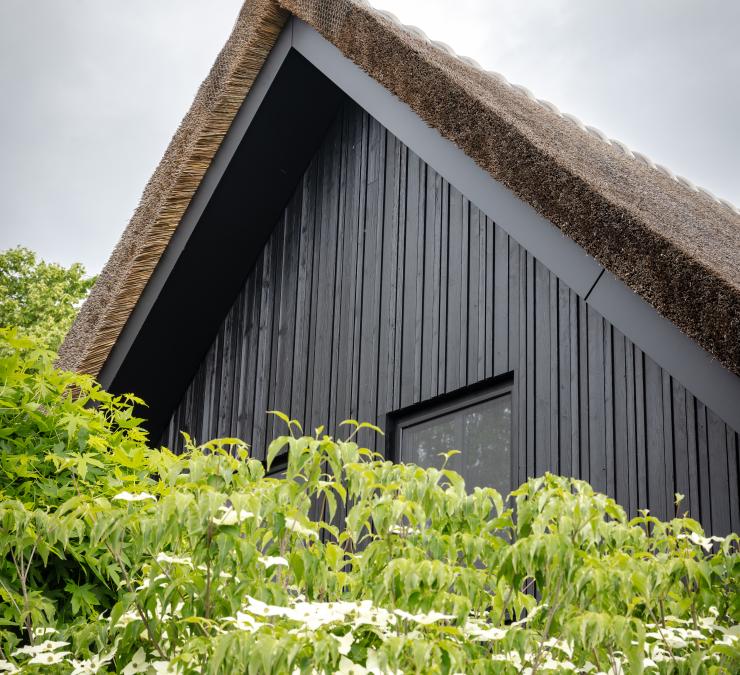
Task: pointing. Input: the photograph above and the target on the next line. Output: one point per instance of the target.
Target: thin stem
(22, 572)
(209, 538)
(662, 637)
(509, 593)
(10, 595)
(139, 608)
(550, 616)
(613, 661)
(180, 593)
(596, 658)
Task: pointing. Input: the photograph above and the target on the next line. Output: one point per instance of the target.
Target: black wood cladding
(382, 286)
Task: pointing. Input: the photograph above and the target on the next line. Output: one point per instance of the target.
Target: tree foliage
(40, 298)
(119, 557)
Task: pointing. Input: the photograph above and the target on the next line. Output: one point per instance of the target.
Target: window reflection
(482, 433)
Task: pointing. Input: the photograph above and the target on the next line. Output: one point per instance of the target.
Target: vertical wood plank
(680, 444)
(208, 384)
(575, 385)
(692, 458)
(620, 425)
(413, 283)
(373, 272)
(609, 410)
(292, 252)
(360, 276)
(228, 366)
(239, 356)
(400, 305)
(733, 477)
(553, 328)
(702, 456)
(455, 312)
(304, 295)
(351, 202)
(530, 370)
(283, 328)
(518, 421)
(640, 430)
(632, 470)
(502, 308)
(597, 407)
(264, 340)
(432, 264)
(463, 296)
(322, 340)
(719, 494)
(248, 366)
(443, 285)
(668, 447)
(539, 327)
(388, 291)
(484, 346)
(417, 196)
(474, 345)
(583, 388)
(565, 410)
(656, 477)
(490, 286)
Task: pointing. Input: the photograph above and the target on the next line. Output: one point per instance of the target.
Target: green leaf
(275, 447)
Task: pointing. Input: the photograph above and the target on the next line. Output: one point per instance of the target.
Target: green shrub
(39, 298)
(115, 556)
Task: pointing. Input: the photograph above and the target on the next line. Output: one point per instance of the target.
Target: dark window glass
(479, 426)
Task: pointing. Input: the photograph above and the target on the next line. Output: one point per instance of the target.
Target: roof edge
(551, 107)
(171, 188)
(663, 240)
(660, 238)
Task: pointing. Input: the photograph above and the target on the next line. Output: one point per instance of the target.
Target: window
(477, 424)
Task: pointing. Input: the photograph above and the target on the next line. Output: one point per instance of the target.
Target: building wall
(382, 286)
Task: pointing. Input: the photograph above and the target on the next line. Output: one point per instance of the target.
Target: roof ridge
(575, 121)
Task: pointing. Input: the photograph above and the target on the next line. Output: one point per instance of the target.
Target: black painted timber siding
(382, 286)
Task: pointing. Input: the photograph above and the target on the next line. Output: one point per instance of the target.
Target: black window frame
(452, 402)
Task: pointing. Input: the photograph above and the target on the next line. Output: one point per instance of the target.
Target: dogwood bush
(119, 557)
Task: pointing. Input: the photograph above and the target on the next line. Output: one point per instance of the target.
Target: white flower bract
(133, 497)
(231, 516)
(48, 658)
(41, 648)
(424, 619)
(92, 665)
(137, 664)
(294, 526)
(174, 559)
(705, 542)
(273, 560)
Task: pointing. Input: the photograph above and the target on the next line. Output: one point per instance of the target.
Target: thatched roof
(675, 245)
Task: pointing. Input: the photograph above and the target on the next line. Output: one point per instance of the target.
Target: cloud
(92, 94)
(93, 91)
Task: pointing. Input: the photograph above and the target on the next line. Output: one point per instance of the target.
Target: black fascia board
(701, 374)
(193, 287)
(202, 308)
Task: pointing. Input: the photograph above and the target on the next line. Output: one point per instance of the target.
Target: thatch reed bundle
(678, 248)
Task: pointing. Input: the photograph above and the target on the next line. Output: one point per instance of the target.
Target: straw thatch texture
(171, 188)
(678, 249)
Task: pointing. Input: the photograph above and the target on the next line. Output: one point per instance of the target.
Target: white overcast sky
(91, 92)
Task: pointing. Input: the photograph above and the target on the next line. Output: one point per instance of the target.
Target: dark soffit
(271, 141)
(217, 244)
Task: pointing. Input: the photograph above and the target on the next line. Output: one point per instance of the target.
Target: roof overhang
(252, 177)
(204, 260)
